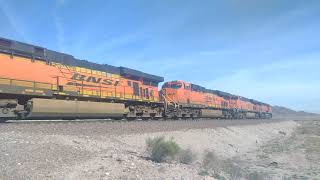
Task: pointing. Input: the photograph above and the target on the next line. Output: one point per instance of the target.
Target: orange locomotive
(190, 100)
(39, 83)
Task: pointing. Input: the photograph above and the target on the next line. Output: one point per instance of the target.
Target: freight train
(36, 83)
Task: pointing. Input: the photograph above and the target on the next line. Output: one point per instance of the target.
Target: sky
(267, 50)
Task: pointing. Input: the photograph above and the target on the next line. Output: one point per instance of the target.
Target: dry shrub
(186, 156)
(212, 162)
(162, 150)
(211, 165)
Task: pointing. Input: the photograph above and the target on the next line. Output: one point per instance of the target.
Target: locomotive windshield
(173, 85)
(176, 86)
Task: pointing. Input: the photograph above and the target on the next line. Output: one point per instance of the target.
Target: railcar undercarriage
(72, 108)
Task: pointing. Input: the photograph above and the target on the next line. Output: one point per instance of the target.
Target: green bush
(162, 150)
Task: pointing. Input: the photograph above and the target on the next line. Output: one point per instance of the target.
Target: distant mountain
(279, 111)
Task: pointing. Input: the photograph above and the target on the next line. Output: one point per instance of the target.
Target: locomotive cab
(172, 90)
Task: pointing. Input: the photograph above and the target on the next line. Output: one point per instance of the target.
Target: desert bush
(258, 176)
(233, 170)
(162, 150)
(186, 156)
(211, 164)
(204, 172)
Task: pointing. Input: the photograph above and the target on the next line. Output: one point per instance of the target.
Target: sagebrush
(162, 150)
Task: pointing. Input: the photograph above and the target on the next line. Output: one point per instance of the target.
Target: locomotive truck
(36, 83)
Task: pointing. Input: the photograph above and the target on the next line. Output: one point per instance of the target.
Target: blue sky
(263, 49)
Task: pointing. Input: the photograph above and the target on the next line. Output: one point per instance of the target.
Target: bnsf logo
(92, 79)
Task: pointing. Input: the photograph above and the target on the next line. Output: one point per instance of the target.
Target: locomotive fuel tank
(54, 108)
(250, 115)
(210, 113)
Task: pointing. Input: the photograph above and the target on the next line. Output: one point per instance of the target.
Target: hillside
(279, 111)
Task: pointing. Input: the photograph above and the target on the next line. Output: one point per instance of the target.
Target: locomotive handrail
(102, 92)
(166, 98)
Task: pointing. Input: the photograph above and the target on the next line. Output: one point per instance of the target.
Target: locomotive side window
(129, 83)
(166, 85)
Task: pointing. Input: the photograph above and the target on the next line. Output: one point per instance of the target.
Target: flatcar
(37, 83)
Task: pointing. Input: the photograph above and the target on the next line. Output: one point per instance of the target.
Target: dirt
(116, 150)
(295, 156)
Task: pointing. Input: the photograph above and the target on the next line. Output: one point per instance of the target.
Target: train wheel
(21, 116)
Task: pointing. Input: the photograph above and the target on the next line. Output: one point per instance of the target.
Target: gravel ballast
(115, 150)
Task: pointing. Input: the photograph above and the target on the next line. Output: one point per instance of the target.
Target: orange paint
(181, 93)
(91, 82)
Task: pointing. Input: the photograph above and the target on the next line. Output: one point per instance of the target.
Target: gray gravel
(104, 127)
(46, 150)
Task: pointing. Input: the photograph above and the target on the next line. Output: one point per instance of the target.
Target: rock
(283, 133)
(76, 142)
(119, 160)
(273, 163)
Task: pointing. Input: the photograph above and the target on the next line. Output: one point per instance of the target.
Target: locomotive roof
(225, 94)
(31, 51)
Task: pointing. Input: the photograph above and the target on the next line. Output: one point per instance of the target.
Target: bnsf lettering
(92, 79)
(108, 82)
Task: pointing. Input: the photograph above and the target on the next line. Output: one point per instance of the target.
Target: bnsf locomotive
(39, 83)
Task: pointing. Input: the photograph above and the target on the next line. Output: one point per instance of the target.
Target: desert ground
(241, 149)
